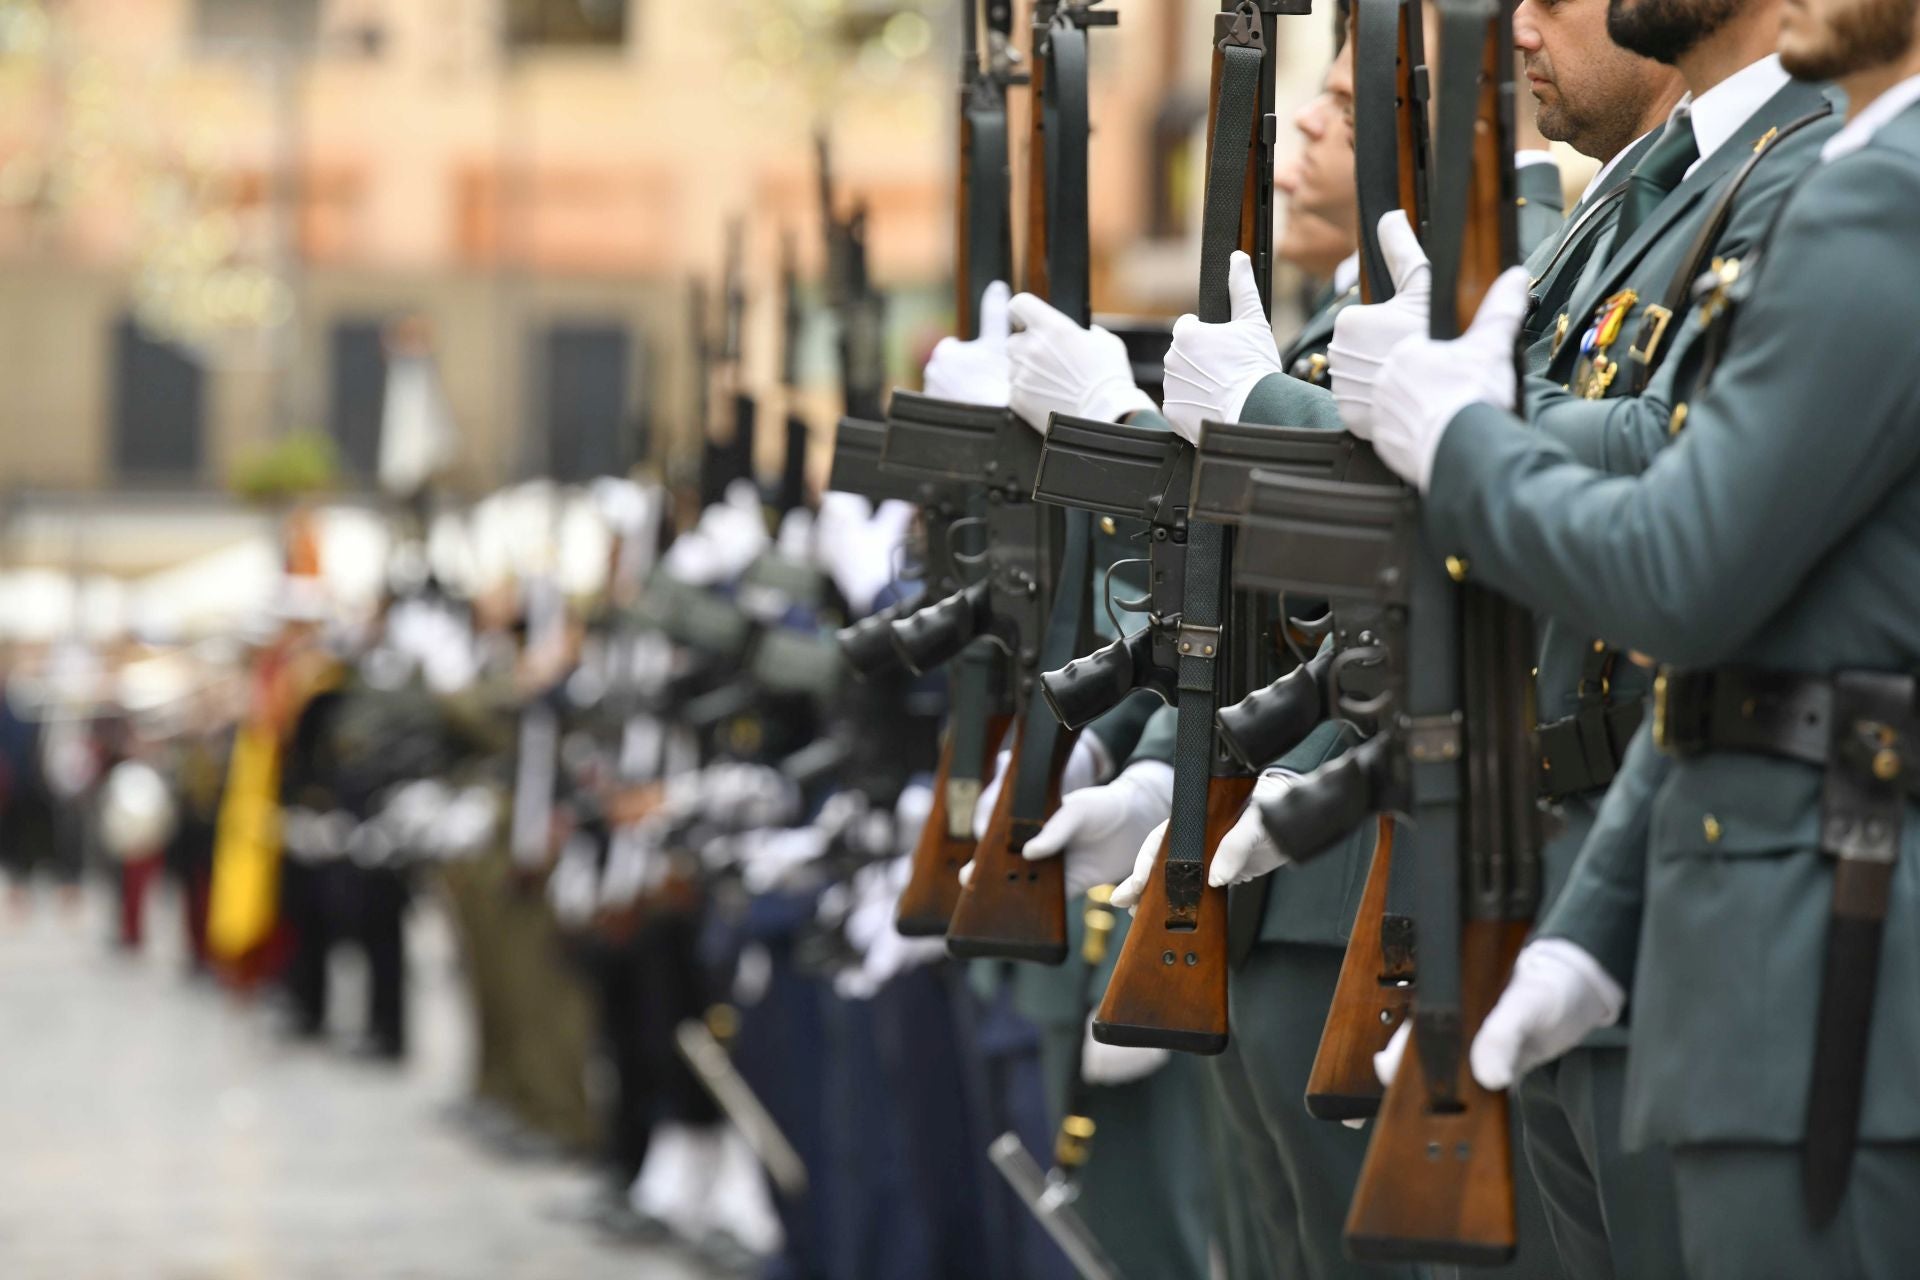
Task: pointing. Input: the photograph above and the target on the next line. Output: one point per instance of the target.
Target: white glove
(1087, 765)
(1363, 336)
(1247, 852)
(1059, 367)
(1212, 368)
(975, 371)
(1558, 995)
(1126, 894)
(1100, 828)
(1117, 1064)
(1426, 383)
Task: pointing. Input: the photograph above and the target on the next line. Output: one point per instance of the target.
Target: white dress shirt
(1720, 111)
(1346, 275)
(1865, 122)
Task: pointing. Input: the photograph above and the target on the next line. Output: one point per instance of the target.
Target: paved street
(156, 1130)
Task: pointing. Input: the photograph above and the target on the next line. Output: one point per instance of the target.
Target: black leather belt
(1775, 713)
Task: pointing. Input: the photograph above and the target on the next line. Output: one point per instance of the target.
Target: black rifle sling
(972, 704)
(1376, 149)
(1201, 610)
(989, 256)
(1066, 171)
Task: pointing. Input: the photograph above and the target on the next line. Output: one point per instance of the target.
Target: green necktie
(1657, 174)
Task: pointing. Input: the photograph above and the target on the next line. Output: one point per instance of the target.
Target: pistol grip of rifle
(1314, 815)
(1089, 687)
(935, 635)
(868, 645)
(1012, 909)
(1269, 722)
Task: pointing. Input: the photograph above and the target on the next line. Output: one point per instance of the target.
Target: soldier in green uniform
(1700, 192)
(1744, 879)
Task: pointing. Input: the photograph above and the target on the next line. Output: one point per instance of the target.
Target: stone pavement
(156, 1130)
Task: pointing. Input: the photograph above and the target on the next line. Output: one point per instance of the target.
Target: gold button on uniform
(1678, 420)
(1710, 827)
(1456, 568)
(1106, 525)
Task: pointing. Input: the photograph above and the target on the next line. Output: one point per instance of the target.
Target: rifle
(1033, 601)
(1376, 984)
(1201, 643)
(1456, 754)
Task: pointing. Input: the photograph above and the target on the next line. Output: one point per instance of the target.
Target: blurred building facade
(210, 209)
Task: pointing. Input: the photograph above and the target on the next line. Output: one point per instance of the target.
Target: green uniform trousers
(1741, 1216)
(1296, 1173)
(1146, 1191)
(1611, 1212)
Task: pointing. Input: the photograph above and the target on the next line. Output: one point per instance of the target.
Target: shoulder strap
(1643, 357)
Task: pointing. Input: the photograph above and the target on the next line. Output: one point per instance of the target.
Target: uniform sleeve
(1121, 728)
(1601, 907)
(1157, 738)
(1797, 439)
(1281, 400)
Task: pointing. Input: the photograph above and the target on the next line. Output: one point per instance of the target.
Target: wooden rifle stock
(1370, 1001)
(1437, 1184)
(1169, 986)
(1012, 908)
(933, 889)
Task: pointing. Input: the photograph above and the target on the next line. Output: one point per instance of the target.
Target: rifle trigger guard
(1140, 604)
(970, 559)
(1359, 708)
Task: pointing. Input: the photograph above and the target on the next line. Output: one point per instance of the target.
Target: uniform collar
(1859, 131)
(1346, 275)
(1722, 111)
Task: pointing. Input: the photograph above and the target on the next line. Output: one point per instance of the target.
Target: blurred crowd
(669, 829)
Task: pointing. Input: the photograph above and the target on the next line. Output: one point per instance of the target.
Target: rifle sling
(1376, 75)
(988, 252)
(1066, 133)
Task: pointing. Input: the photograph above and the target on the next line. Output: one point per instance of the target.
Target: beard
(1862, 35)
(1666, 30)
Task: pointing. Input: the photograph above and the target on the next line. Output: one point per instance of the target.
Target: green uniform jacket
(1621, 432)
(1781, 530)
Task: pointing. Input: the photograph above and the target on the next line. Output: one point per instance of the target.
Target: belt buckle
(1679, 711)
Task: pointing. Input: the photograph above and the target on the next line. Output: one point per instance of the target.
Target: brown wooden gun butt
(1169, 986)
(1370, 1001)
(1012, 909)
(1437, 1184)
